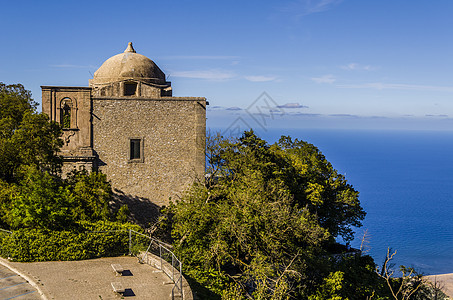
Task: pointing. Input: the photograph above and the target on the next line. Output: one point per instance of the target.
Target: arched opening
(66, 113)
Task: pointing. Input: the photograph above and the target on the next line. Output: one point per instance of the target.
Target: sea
(405, 180)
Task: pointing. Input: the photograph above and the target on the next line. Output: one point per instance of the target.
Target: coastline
(445, 281)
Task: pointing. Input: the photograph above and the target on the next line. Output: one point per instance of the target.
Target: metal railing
(140, 245)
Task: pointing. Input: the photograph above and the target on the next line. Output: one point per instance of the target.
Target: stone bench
(118, 269)
(118, 287)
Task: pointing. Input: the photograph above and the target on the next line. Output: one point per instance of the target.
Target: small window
(130, 88)
(135, 151)
(66, 116)
(66, 113)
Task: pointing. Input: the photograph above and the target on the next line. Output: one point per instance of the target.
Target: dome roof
(129, 65)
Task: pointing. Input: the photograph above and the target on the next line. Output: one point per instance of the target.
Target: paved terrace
(87, 279)
(12, 286)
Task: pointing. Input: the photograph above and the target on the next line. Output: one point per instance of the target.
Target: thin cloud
(397, 86)
(308, 7)
(357, 67)
(259, 78)
(292, 105)
(375, 117)
(324, 79)
(201, 57)
(216, 107)
(69, 66)
(437, 116)
(234, 108)
(205, 74)
(299, 114)
(343, 115)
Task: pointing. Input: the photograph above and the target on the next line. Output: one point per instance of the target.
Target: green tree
(331, 287)
(32, 191)
(26, 137)
(263, 220)
(43, 200)
(91, 193)
(41, 203)
(318, 187)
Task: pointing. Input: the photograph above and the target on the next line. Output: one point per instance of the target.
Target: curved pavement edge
(6, 264)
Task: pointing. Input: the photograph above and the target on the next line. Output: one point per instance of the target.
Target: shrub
(90, 240)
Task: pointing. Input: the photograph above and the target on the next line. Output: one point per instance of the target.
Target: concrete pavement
(91, 279)
(13, 286)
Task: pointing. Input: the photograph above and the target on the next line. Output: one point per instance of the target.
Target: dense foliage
(42, 200)
(265, 224)
(27, 138)
(49, 214)
(90, 240)
(32, 192)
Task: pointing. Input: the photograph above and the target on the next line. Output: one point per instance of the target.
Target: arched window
(65, 113)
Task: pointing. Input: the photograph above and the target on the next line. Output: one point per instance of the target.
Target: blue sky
(321, 64)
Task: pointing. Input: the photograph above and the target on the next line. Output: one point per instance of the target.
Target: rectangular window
(135, 150)
(130, 88)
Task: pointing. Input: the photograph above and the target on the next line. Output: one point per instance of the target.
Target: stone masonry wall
(77, 149)
(172, 131)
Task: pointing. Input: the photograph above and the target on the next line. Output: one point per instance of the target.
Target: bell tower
(71, 107)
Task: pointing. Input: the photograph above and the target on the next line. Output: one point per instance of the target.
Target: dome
(128, 65)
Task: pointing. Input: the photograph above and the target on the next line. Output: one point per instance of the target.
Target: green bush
(3, 249)
(90, 240)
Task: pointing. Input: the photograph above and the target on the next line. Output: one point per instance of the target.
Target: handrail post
(173, 267)
(180, 278)
(130, 241)
(9, 250)
(160, 255)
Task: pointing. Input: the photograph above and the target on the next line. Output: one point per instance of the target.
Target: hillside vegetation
(264, 224)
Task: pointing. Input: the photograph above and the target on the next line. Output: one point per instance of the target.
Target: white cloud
(357, 67)
(397, 86)
(215, 107)
(201, 57)
(344, 115)
(292, 105)
(69, 66)
(324, 79)
(307, 7)
(204, 74)
(234, 108)
(314, 6)
(259, 78)
(437, 116)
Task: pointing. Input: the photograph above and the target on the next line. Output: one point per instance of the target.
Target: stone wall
(172, 132)
(77, 149)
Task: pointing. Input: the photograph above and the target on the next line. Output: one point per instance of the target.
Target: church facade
(128, 125)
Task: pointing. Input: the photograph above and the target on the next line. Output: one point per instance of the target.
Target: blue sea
(405, 180)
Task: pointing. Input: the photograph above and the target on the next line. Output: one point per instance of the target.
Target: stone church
(128, 125)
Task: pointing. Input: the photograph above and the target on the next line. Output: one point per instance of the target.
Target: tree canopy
(266, 211)
(33, 194)
(27, 138)
(264, 225)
